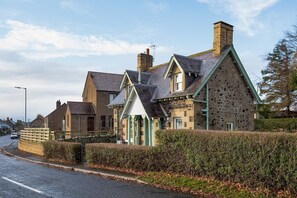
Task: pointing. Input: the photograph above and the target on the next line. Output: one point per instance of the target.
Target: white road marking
(24, 186)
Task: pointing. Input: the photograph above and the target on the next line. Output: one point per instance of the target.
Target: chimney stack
(223, 37)
(58, 104)
(144, 61)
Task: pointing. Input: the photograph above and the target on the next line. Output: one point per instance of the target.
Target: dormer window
(178, 81)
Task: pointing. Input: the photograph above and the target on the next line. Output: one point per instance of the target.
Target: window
(178, 82)
(102, 122)
(178, 123)
(111, 97)
(110, 122)
(229, 126)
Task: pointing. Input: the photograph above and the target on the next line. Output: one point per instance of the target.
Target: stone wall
(230, 101)
(183, 109)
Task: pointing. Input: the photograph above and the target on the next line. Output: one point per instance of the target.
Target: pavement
(11, 150)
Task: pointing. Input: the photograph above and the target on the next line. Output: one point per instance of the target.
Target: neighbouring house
(9, 122)
(56, 119)
(38, 122)
(206, 90)
(80, 116)
(91, 114)
(100, 89)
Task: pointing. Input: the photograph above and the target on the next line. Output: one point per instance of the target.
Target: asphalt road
(23, 179)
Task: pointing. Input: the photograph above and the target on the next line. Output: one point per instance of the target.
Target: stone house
(206, 90)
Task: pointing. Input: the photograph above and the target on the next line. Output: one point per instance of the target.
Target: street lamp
(25, 102)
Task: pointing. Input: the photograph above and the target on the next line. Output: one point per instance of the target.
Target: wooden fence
(31, 139)
(36, 134)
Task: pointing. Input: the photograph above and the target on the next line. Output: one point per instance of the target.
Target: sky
(49, 46)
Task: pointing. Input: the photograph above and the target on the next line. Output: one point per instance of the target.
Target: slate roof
(188, 64)
(119, 100)
(133, 76)
(106, 81)
(145, 93)
(81, 108)
(203, 62)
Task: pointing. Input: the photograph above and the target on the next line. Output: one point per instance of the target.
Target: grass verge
(204, 187)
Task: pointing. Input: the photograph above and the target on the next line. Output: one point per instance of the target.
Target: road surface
(24, 179)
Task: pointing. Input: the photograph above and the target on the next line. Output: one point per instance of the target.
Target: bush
(108, 138)
(276, 124)
(118, 155)
(68, 152)
(255, 159)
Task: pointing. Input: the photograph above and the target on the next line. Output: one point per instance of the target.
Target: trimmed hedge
(256, 159)
(266, 160)
(68, 152)
(109, 138)
(276, 124)
(118, 155)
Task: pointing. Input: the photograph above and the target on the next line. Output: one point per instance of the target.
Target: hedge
(276, 124)
(118, 155)
(68, 152)
(256, 159)
(108, 138)
(266, 160)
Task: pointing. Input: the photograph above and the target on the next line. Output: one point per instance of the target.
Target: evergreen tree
(279, 77)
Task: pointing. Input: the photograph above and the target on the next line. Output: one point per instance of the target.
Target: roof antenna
(153, 49)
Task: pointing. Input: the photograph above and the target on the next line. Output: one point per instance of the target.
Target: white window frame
(177, 123)
(178, 82)
(229, 126)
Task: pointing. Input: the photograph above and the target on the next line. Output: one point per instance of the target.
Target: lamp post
(25, 102)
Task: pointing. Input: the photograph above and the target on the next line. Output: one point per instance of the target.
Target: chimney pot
(147, 51)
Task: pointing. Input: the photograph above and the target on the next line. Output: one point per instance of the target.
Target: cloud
(245, 12)
(36, 42)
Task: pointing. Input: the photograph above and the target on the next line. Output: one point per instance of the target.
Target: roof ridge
(105, 73)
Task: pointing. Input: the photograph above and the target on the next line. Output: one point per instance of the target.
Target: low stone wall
(31, 147)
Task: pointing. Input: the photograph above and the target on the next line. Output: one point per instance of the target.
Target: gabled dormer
(133, 77)
(182, 71)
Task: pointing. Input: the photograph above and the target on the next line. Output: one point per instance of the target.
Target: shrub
(255, 159)
(276, 124)
(267, 160)
(108, 138)
(68, 152)
(118, 155)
